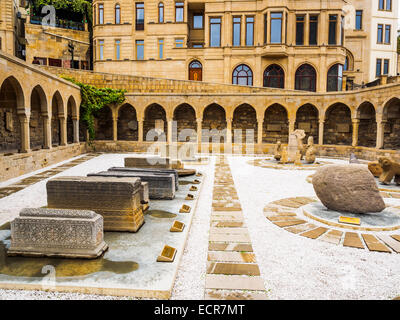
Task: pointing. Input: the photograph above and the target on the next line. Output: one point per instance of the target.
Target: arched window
(335, 78)
(117, 14)
(195, 71)
(242, 75)
(160, 12)
(274, 77)
(306, 78)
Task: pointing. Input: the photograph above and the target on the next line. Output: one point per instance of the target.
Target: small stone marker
(189, 197)
(177, 226)
(193, 188)
(167, 254)
(196, 181)
(199, 174)
(185, 209)
(349, 220)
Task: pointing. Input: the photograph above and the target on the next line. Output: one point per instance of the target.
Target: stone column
(380, 132)
(356, 123)
(199, 129)
(47, 131)
(321, 132)
(292, 122)
(25, 138)
(75, 123)
(169, 130)
(115, 128)
(63, 130)
(140, 130)
(228, 130)
(260, 123)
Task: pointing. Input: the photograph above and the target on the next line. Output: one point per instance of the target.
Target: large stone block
(148, 162)
(116, 199)
(57, 233)
(161, 185)
(150, 170)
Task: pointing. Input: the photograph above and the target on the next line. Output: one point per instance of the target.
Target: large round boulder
(347, 187)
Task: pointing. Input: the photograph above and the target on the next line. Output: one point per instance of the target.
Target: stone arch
(245, 119)
(72, 114)
(155, 117)
(275, 125)
(57, 110)
(103, 124)
(307, 119)
(367, 125)
(127, 127)
(11, 100)
(306, 78)
(391, 128)
(185, 118)
(214, 118)
(38, 107)
(338, 125)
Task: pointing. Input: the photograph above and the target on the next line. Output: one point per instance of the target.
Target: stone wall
(245, 118)
(214, 118)
(307, 120)
(127, 123)
(338, 126)
(185, 118)
(103, 124)
(153, 117)
(275, 126)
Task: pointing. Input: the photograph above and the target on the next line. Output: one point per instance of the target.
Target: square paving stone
(315, 233)
(248, 269)
(231, 256)
(214, 281)
(216, 246)
(374, 244)
(351, 239)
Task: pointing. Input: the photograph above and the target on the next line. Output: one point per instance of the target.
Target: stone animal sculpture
(310, 150)
(300, 135)
(390, 169)
(278, 151)
(375, 168)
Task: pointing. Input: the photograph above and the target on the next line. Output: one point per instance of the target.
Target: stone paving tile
(231, 256)
(333, 236)
(214, 230)
(282, 218)
(351, 239)
(227, 224)
(236, 295)
(216, 281)
(396, 237)
(374, 244)
(315, 233)
(247, 269)
(289, 223)
(232, 246)
(301, 228)
(230, 238)
(225, 218)
(393, 244)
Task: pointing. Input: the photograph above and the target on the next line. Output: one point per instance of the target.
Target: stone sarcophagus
(148, 162)
(151, 170)
(116, 199)
(57, 233)
(161, 185)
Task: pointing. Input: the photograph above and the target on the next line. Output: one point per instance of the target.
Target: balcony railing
(60, 23)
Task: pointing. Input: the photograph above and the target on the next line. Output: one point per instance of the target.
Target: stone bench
(151, 170)
(117, 200)
(57, 233)
(161, 185)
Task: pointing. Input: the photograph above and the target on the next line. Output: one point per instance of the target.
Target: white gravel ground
(294, 267)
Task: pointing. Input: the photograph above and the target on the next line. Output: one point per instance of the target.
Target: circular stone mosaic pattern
(272, 163)
(308, 218)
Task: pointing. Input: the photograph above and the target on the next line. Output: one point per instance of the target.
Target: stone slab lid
(134, 169)
(122, 174)
(135, 182)
(57, 213)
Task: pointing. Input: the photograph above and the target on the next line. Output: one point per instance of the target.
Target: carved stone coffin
(149, 162)
(57, 233)
(151, 170)
(161, 185)
(117, 200)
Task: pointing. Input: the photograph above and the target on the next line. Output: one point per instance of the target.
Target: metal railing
(60, 23)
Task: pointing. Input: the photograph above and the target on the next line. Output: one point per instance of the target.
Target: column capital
(355, 120)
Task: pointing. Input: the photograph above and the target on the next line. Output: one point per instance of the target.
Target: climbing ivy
(93, 100)
(83, 7)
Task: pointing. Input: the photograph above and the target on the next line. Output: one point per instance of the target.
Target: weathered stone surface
(375, 168)
(151, 170)
(390, 170)
(148, 162)
(161, 185)
(116, 199)
(57, 233)
(347, 188)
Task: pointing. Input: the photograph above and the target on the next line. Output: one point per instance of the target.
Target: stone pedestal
(116, 199)
(57, 233)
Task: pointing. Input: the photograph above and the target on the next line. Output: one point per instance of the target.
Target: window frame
(233, 30)
(378, 61)
(310, 22)
(281, 27)
(139, 45)
(100, 9)
(139, 26)
(386, 41)
(386, 63)
(313, 85)
(101, 49)
(361, 20)
(196, 14)
(210, 30)
(332, 21)
(302, 24)
(380, 29)
(180, 6)
(237, 77)
(252, 23)
(161, 17)
(280, 77)
(117, 8)
(117, 49)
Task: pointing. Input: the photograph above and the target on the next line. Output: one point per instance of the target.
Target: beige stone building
(11, 26)
(285, 44)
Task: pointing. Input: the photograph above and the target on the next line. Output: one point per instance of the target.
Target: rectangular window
(300, 30)
(160, 12)
(380, 34)
(381, 5)
(197, 21)
(388, 29)
(276, 27)
(332, 29)
(249, 31)
(118, 49)
(179, 43)
(359, 14)
(389, 5)
(313, 36)
(101, 49)
(101, 13)
(179, 11)
(140, 16)
(236, 31)
(265, 28)
(160, 48)
(215, 32)
(139, 49)
(378, 67)
(386, 66)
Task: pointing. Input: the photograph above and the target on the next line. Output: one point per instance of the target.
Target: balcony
(60, 23)
(275, 50)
